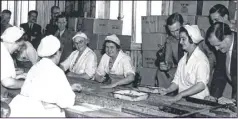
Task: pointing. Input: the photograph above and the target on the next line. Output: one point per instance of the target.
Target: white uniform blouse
(7, 64)
(194, 71)
(45, 82)
(87, 62)
(122, 65)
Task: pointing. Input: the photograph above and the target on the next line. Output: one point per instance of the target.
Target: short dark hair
(7, 11)
(32, 11)
(108, 41)
(175, 17)
(182, 29)
(220, 29)
(221, 9)
(54, 7)
(61, 16)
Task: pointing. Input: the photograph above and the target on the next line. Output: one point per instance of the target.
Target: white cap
(80, 34)
(194, 33)
(113, 38)
(12, 34)
(49, 45)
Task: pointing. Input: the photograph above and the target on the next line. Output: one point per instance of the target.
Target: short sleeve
(66, 63)
(7, 64)
(203, 73)
(91, 65)
(127, 65)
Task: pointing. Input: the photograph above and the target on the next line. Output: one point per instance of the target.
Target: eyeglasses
(79, 42)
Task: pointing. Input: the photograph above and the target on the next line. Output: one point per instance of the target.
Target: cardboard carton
(149, 59)
(189, 19)
(203, 23)
(102, 26)
(153, 41)
(185, 7)
(153, 24)
(147, 76)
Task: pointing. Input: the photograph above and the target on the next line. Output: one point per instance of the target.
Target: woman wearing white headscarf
(82, 63)
(11, 41)
(46, 89)
(115, 63)
(193, 70)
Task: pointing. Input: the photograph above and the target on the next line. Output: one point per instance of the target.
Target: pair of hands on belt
(221, 100)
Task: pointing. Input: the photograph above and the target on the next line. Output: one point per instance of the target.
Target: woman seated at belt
(192, 74)
(82, 62)
(114, 63)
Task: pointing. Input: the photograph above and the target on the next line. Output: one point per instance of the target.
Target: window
(127, 18)
(21, 8)
(114, 9)
(141, 9)
(156, 7)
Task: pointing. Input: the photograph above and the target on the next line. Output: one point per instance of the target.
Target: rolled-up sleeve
(203, 73)
(91, 65)
(66, 64)
(128, 67)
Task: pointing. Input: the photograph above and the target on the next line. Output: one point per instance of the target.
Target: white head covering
(12, 34)
(80, 34)
(113, 38)
(49, 45)
(194, 33)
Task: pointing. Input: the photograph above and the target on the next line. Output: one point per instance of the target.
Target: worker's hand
(76, 87)
(210, 98)
(223, 100)
(109, 86)
(19, 71)
(162, 91)
(174, 99)
(164, 66)
(21, 76)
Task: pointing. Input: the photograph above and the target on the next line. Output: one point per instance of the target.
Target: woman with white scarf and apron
(114, 63)
(192, 75)
(46, 89)
(82, 63)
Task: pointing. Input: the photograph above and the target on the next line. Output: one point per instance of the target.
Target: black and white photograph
(118, 59)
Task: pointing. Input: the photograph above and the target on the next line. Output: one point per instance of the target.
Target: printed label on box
(149, 59)
(185, 7)
(152, 24)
